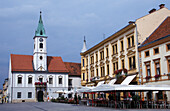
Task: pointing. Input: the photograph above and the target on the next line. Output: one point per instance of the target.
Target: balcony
(40, 84)
(121, 72)
(93, 79)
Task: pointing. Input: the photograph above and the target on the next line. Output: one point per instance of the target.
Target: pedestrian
(48, 98)
(2, 100)
(79, 98)
(75, 98)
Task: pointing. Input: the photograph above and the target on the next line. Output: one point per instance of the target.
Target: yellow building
(5, 91)
(101, 61)
(106, 60)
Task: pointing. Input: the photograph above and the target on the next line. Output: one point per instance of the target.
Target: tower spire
(40, 29)
(84, 46)
(40, 48)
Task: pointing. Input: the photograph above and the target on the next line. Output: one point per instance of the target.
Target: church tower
(40, 50)
(84, 46)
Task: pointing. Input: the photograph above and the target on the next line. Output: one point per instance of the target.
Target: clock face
(41, 40)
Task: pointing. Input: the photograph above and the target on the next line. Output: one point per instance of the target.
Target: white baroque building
(39, 77)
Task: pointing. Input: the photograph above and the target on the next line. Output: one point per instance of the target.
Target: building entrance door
(40, 96)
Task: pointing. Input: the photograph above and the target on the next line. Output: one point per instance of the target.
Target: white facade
(40, 54)
(162, 58)
(39, 83)
(25, 87)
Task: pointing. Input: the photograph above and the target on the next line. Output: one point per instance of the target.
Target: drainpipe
(138, 59)
(138, 55)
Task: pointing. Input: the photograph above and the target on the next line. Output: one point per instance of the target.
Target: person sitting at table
(110, 97)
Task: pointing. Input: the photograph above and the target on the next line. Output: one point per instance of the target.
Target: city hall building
(39, 77)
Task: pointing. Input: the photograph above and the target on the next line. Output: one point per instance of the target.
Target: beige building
(1, 94)
(5, 91)
(155, 60)
(106, 60)
(102, 60)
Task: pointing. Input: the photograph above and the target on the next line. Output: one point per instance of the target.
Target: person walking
(2, 100)
(75, 98)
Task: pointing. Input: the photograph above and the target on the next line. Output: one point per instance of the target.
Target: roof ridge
(21, 54)
(149, 37)
(73, 62)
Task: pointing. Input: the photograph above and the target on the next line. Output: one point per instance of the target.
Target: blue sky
(66, 23)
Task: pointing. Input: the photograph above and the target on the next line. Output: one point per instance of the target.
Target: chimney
(162, 6)
(130, 22)
(153, 10)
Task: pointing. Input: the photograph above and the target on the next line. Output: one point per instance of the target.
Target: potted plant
(86, 80)
(125, 71)
(147, 77)
(157, 76)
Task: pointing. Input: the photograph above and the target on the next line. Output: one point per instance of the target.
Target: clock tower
(40, 50)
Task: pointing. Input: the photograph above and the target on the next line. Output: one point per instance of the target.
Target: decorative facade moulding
(91, 67)
(156, 60)
(114, 42)
(146, 62)
(96, 65)
(115, 55)
(121, 52)
(122, 56)
(131, 52)
(131, 48)
(107, 61)
(130, 34)
(167, 57)
(114, 59)
(19, 75)
(91, 54)
(101, 63)
(102, 49)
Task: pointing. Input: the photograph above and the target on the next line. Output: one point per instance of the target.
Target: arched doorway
(40, 96)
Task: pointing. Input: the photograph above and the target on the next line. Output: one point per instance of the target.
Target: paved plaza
(44, 106)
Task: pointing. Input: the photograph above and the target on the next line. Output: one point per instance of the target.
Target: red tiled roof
(25, 63)
(162, 31)
(21, 63)
(56, 64)
(74, 68)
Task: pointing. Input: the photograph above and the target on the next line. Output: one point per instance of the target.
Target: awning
(155, 91)
(100, 83)
(119, 88)
(85, 89)
(128, 79)
(103, 88)
(143, 88)
(112, 82)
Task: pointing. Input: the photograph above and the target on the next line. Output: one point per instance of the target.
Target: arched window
(41, 45)
(19, 79)
(30, 79)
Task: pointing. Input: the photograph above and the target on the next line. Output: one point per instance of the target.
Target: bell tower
(40, 49)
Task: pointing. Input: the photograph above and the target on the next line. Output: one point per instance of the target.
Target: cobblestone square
(48, 106)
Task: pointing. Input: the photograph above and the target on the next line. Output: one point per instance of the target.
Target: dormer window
(41, 45)
(41, 32)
